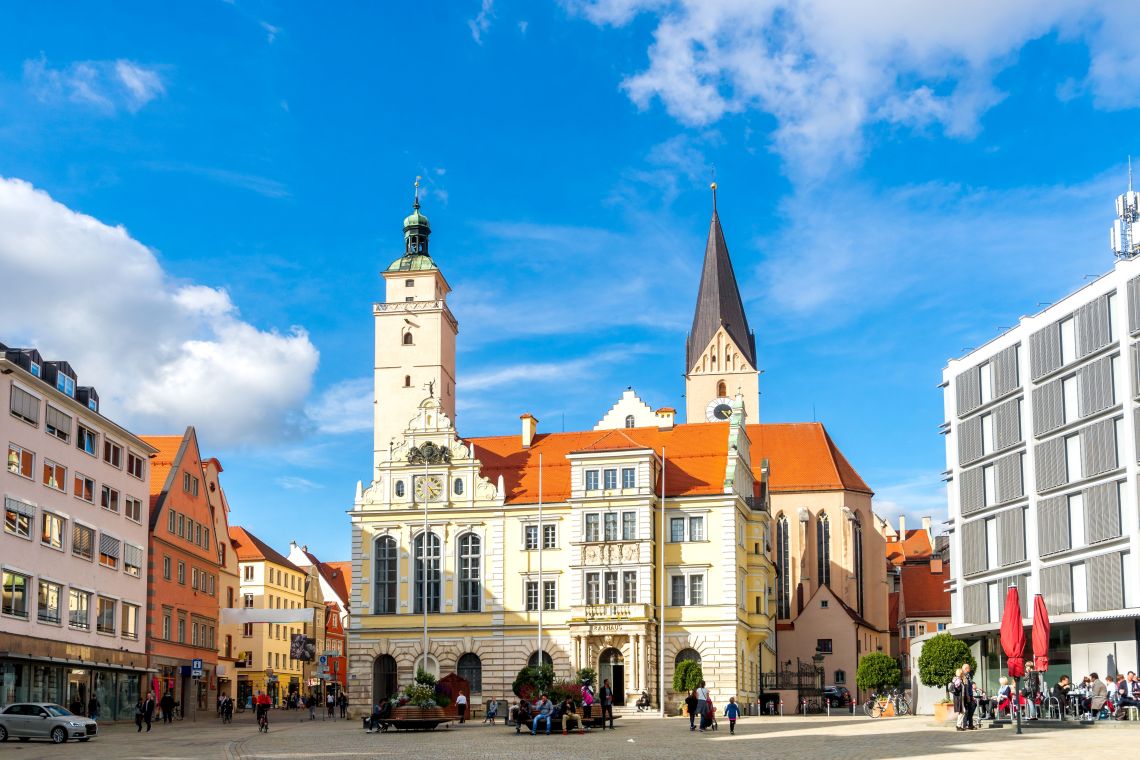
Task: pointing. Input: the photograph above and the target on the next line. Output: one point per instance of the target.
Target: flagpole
(541, 541)
(661, 587)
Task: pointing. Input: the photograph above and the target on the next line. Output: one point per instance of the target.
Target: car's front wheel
(3, 734)
(58, 735)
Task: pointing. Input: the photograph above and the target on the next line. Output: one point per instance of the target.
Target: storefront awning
(74, 663)
(1063, 619)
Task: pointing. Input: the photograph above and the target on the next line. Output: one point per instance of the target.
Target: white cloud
(345, 407)
(295, 483)
(270, 188)
(271, 31)
(482, 22)
(163, 354)
(107, 86)
(826, 69)
(915, 495)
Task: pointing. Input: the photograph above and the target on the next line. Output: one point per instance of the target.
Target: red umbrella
(1013, 634)
(1041, 630)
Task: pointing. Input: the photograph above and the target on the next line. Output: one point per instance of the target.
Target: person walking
(342, 703)
(461, 707)
(140, 710)
(311, 703)
(969, 700)
(702, 706)
(491, 711)
(330, 702)
(691, 708)
(167, 705)
(606, 696)
(93, 708)
(587, 703)
(956, 690)
(148, 709)
(732, 712)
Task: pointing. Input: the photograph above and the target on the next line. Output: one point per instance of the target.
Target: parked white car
(43, 720)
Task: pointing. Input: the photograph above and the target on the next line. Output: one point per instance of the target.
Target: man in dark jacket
(167, 705)
(606, 697)
(148, 709)
(1127, 694)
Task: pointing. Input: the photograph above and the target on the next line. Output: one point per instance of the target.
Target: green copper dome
(413, 262)
(416, 219)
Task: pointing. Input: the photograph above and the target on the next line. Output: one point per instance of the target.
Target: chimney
(902, 527)
(529, 429)
(665, 417)
(926, 526)
(936, 564)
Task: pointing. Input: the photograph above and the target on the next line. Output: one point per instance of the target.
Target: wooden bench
(412, 719)
(594, 721)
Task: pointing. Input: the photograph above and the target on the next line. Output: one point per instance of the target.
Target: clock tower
(720, 351)
(415, 338)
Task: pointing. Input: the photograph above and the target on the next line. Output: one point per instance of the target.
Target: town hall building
(627, 548)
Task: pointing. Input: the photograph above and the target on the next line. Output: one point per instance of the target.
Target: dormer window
(591, 480)
(65, 384)
(35, 369)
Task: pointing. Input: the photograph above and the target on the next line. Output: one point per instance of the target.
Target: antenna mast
(1124, 237)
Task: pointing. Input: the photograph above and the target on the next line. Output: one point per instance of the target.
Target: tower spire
(416, 204)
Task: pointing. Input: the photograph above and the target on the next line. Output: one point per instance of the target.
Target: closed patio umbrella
(1041, 631)
(1013, 643)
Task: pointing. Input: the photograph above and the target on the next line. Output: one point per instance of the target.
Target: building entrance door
(611, 667)
(77, 691)
(383, 678)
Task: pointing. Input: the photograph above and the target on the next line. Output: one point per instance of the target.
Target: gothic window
(428, 576)
(407, 339)
(783, 570)
(400, 488)
(457, 487)
(857, 535)
(385, 576)
(470, 588)
(721, 389)
(629, 420)
(407, 381)
(823, 549)
(470, 669)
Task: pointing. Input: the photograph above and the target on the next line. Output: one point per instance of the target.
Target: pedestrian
(342, 702)
(93, 708)
(957, 694)
(148, 709)
(969, 699)
(587, 703)
(691, 708)
(311, 703)
(140, 710)
(1031, 687)
(606, 696)
(492, 710)
(330, 702)
(461, 707)
(167, 705)
(702, 706)
(732, 712)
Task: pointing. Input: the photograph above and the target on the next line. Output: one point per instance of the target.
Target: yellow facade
(267, 585)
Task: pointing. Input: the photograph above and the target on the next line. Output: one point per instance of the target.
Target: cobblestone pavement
(849, 738)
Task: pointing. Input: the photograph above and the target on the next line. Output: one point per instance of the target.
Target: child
(732, 712)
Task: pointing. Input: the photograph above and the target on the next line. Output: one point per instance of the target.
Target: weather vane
(417, 203)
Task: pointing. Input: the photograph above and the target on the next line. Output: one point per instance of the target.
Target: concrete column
(642, 658)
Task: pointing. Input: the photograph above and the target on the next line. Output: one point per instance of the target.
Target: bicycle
(809, 706)
(877, 704)
(263, 721)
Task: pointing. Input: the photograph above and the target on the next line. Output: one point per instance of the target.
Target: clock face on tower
(428, 488)
(719, 409)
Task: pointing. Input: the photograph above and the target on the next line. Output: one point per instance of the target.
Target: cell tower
(1125, 233)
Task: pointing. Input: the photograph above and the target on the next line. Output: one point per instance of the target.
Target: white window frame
(987, 434)
(1080, 587)
(1068, 330)
(591, 480)
(628, 477)
(986, 383)
(1074, 467)
(991, 543)
(1070, 400)
(1077, 520)
(989, 482)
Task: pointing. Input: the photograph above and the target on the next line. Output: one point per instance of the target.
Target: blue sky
(211, 188)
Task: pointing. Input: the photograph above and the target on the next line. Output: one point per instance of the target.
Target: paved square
(846, 737)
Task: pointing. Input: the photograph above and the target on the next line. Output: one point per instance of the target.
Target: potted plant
(941, 657)
(420, 701)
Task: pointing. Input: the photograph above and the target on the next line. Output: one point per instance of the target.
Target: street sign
(323, 660)
(196, 664)
(196, 672)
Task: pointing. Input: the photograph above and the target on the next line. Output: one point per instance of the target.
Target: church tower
(415, 338)
(720, 352)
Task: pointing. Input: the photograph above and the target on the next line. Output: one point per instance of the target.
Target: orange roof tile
(250, 548)
(802, 457)
(915, 547)
(339, 576)
(160, 466)
(925, 593)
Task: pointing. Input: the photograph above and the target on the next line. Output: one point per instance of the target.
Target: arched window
(721, 389)
(470, 669)
(407, 339)
(384, 601)
(823, 549)
(400, 488)
(857, 545)
(384, 683)
(457, 487)
(783, 570)
(629, 420)
(407, 381)
(546, 659)
(690, 655)
(429, 664)
(470, 561)
(428, 578)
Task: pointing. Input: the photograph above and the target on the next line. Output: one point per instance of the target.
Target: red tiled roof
(915, 546)
(339, 576)
(250, 548)
(163, 461)
(802, 457)
(925, 593)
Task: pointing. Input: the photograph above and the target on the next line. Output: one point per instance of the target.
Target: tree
(687, 676)
(533, 680)
(877, 671)
(941, 656)
(587, 676)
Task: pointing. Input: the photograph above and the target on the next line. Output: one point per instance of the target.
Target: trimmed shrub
(687, 676)
(941, 656)
(877, 671)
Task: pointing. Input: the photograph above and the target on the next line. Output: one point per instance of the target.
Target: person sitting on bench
(522, 714)
(570, 717)
(542, 711)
